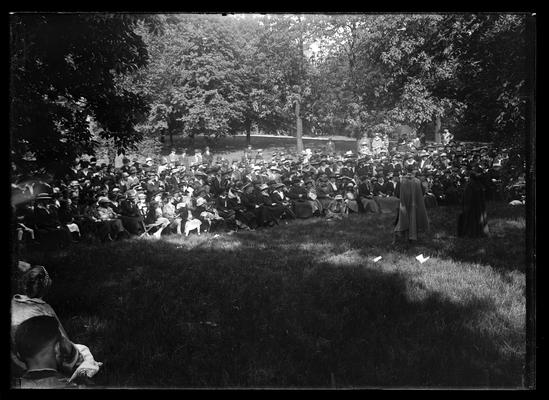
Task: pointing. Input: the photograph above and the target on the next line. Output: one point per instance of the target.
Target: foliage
(494, 75)
(62, 70)
(215, 75)
(191, 79)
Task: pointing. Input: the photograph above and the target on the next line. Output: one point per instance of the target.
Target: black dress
(473, 221)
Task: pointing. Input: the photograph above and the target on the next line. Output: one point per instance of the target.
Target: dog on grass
(191, 225)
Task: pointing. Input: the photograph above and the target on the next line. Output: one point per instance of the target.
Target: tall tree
(63, 70)
(192, 79)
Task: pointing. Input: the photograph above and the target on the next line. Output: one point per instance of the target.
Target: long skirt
(325, 201)
(387, 204)
(369, 205)
(352, 205)
(132, 224)
(247, 218)
(303, 209)
(430, 200)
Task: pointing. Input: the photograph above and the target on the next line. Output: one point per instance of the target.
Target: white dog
(192, 224)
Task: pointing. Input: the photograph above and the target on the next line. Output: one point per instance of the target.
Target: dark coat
(412, 216)
(473, 221)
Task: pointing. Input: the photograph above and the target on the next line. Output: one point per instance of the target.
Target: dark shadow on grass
(159, 314)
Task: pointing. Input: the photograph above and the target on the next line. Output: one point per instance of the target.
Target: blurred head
(35, 283)
(38, 338)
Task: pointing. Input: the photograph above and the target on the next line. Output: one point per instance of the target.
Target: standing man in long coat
(412, 216)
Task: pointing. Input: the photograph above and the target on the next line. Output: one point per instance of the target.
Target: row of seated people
(65, 220)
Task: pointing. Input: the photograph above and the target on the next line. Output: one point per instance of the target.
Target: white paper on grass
(377, 259)
(422, 259)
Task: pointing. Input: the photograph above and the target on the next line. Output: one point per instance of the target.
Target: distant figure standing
(173, 157)
(331, 146)
(207, 156)
(385, 140)
(118, 160)
(197, 157)
(247, 157)
(412, 215)
(447, 137)
(473, 221)
(377, 144)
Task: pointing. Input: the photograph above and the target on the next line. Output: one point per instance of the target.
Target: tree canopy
(216, 75)
(63, 72)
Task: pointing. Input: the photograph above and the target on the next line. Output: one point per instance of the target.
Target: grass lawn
(301, 305)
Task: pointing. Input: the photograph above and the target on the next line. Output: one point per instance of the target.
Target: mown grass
(232, 147)
(301, 305)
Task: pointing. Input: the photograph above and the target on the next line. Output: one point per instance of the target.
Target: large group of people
(179, 192)
(162, 195)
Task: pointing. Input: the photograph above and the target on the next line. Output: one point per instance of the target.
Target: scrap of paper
(422, 259)
(377, 259)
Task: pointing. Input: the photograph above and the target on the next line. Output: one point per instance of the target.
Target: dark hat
(43, 196)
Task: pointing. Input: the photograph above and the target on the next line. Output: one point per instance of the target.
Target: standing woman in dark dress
(473, 221)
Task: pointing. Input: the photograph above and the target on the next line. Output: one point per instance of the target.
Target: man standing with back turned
(412, 216)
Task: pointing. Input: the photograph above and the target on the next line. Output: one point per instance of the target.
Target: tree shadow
(223, 314)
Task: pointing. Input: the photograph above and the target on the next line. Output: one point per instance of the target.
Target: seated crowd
(163, 196)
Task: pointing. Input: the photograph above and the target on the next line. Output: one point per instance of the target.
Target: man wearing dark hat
(270, 212)
(225, 208)
(298, 194)
(131, 217)
(324, 190)
(242, 201)
(366, 197)
(386, 203)
(279, 197)
(411, 216)
(47, 224)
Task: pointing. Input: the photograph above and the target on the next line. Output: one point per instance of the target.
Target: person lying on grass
(75, 359)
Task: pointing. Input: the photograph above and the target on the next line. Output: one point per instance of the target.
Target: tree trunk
(437, 129)
(171, 138)
(248, 133)
(299, 128)
(299, 123)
